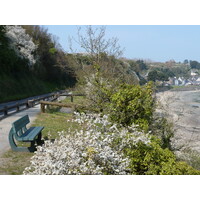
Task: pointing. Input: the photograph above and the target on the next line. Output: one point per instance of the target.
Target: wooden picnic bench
(20, 133)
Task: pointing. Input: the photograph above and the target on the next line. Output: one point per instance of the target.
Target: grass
(81, 100)
(185, 88)
(14, 163)
(54, 123)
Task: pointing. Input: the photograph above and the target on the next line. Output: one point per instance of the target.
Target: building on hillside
(171, 81)
(197, 81)
(194, 72)
(182, 81)
(188, 83)
(176, 82)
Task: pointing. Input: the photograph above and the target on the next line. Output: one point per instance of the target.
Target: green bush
(163, 129)
(154, 160)
(98, 90)
(191, 157)
(133, 104)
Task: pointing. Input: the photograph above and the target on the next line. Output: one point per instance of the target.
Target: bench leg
(39, 139)
(32, 148)
(14, 146)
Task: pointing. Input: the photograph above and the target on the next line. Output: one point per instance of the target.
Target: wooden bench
(20, 133)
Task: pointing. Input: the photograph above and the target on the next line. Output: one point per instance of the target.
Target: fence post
(72, 98)
(17, 107)
(5, 110)
(27, 105)
(42, 108)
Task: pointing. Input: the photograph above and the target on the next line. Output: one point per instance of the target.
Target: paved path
(5, 125)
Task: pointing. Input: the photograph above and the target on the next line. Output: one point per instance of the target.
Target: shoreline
(182, 108)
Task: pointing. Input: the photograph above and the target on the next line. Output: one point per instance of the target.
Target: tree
(152, 75)
(142, 65)
(2, 35)
(53, 64)
(95, 44)
(22, 43)
(100, 71)
(194, 64)
(99, 64)
(159, 75)
(99, 50)
(15, 53)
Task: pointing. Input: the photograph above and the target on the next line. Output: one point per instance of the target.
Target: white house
(193, 73)
(176, 82)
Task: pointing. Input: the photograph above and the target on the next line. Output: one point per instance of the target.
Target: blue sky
(155, 42)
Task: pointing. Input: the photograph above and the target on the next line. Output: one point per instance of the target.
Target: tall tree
(93, 42)
(102, 52)
(53, 65)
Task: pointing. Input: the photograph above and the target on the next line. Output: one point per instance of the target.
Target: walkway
(5, 125)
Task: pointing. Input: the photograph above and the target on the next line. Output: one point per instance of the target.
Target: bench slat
(20, 123)
(31, 134)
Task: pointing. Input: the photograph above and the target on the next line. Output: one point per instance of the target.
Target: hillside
(31, 63)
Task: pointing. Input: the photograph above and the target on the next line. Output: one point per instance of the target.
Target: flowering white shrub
(21, 42)
(97, 149)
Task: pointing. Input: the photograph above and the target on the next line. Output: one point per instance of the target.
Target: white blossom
(21, 42)
(93, 150)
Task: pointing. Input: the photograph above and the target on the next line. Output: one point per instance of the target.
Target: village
(194, 79)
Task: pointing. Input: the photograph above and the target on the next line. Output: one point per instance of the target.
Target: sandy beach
(183, 109)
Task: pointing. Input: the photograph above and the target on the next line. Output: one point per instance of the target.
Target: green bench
(20, 133)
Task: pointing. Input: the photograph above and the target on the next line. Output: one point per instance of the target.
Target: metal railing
(9, 110)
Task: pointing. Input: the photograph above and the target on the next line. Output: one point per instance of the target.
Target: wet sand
(183, 108)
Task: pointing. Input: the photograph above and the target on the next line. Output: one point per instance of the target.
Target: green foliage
(138, 66)
(142, 66)
(53, 65)
(52, 50)
(160, 75)
(10, 62)
(181, 71)
(152, 75)
(3, 40)
(192, 157)
(133, 104)
(51, 71)
(153, 160)
(142, 81)
(23, 85)
(99, 92)
(99, 86)
(194, 64)
(163, 129)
